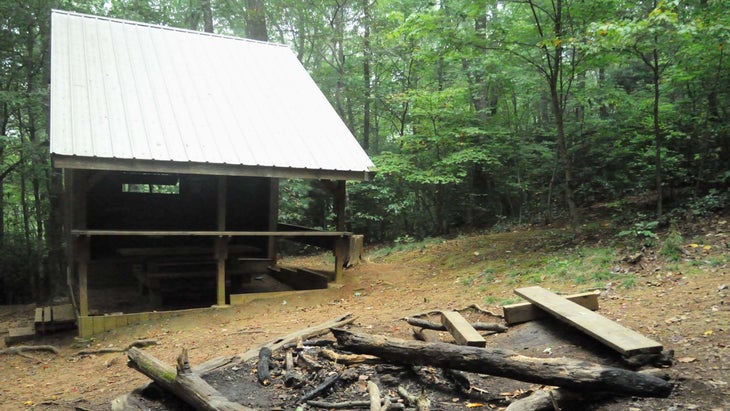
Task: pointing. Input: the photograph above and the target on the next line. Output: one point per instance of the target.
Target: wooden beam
(625, 341)
(342, 244)
(461, 330)
(214, 233)
(273, 216)
(340, 203)
(526, 311)
(179, 167)
(82, 255)
(340, 252)
(221, 253)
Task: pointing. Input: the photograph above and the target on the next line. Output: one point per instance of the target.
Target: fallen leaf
(693, 245)
(28, 403)
(707, 247)
(708, 332)
(686, 359)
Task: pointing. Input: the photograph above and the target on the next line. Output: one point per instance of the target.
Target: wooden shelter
(172, 144)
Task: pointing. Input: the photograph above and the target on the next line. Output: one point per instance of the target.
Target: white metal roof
(131, 96)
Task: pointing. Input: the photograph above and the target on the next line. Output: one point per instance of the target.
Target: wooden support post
(273, 217)
(77, 181)
(221, 251)
(82, 255)
(340, 254)
(342, 243)
(340, 203)
(221, 245)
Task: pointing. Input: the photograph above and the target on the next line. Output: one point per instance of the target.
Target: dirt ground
(689, 313)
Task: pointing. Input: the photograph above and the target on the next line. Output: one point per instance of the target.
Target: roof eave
(173, 167)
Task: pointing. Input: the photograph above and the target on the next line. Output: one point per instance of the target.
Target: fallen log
(374, 394)
(292, 378)
(563, 372)
(125, 402)
(556, 399)
(320, 388)
(349, 405)
(417, 322)
(18, 350)
(421, 402)
(348, 359)
(458, 377)
(182, 382)
(262, 368)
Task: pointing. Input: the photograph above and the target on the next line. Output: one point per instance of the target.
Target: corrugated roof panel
(125, 90)
(136, 87)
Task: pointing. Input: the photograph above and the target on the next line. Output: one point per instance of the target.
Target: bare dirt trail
(690, 314)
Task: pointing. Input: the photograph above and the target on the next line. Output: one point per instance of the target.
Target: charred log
(321, 388)
(563, 372)
(263, 372)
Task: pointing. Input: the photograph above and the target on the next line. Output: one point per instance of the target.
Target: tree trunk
(657, 135)
(256, 20)
(366, 74)
(207, 16)
(563, 372)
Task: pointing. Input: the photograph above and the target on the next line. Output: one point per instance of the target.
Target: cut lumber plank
(64, 313)
(16, 335)
(625, 341)
(461, 330)
(526, 311)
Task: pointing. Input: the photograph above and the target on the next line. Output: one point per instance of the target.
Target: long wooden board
(220, 233)
(525, 311)
(625, 341)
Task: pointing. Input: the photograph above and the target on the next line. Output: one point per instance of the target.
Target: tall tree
(653, 33)
(256, 20)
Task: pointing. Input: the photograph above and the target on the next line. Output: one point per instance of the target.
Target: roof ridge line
(161, 27)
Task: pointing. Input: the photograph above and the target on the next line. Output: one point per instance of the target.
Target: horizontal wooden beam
(212, 233)
(526, 311)
(180, 167)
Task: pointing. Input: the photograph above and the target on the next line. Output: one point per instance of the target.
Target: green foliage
(672, 246)
(461, 121)
(713, 201)
(642, 232)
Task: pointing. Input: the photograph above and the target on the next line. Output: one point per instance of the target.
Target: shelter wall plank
(625, 341)
(86, 326)
(98, 324)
